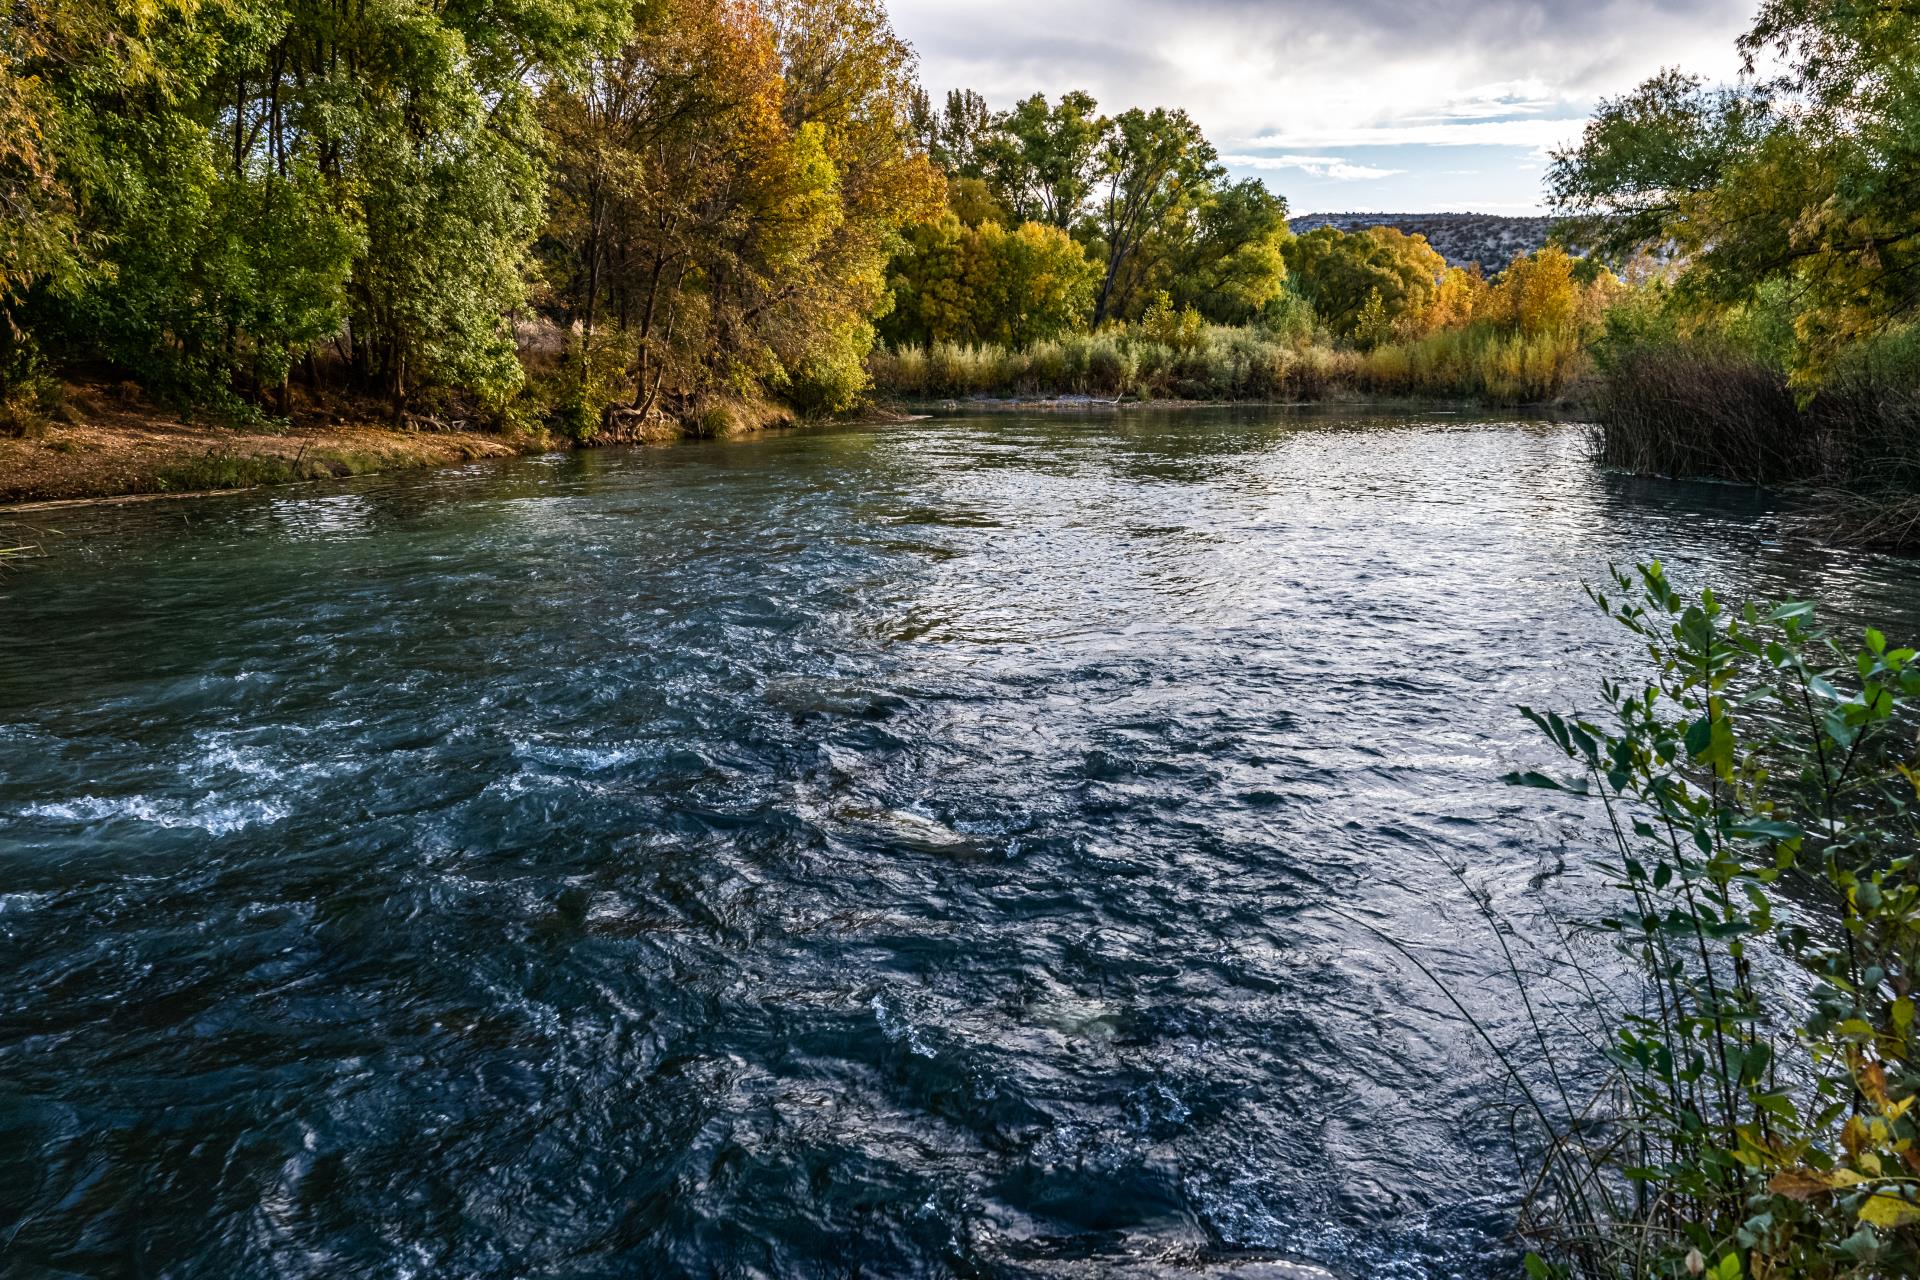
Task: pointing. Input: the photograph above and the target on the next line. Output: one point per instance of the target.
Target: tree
(47, 47)
(1807, 177)
(1043, 161)
(1155, 167)
(849, 81)
(686, 197)
(985, 283)
(1341, 273)
(731, 183)
(1536, 294)
(1165, 220)
(1228, 261)
(1036, 284)
(1459, 299)
(954, 138)
(933, 299)
(255, 177)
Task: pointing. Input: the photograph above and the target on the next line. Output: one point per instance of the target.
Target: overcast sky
(1362, 105)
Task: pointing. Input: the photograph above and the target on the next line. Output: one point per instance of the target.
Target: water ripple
(902, 851)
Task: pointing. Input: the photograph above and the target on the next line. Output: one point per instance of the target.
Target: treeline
(592, 214)
(231, 202)
(1061, 218)
(1101, 255)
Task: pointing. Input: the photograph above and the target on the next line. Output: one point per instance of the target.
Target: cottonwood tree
(255, 178)
(731, 183)
(1155, 168)
(1043, 160)
(1367, 284)
(1807, 178)
(988, 284)
(1227, 260)
(953, 137)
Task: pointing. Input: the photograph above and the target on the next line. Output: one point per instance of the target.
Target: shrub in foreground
(1763, 790)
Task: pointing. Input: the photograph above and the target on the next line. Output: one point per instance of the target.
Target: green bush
(1763, 791)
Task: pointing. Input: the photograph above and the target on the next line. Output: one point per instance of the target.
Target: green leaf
(1765, 829)
(1542, 782)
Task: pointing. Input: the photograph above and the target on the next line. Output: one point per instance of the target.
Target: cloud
(1314, 166)
(1535, 134)
(1272, 79)
(1528, 97)
(1245, 67)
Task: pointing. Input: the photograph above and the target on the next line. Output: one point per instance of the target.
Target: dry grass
(1226, 364)
(1854, 448)
(1668, 411)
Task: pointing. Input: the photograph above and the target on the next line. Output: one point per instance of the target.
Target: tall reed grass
(1479, 362)
(1709, 408)
(1229, 364)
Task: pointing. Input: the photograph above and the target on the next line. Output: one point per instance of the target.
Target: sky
(1377, 106)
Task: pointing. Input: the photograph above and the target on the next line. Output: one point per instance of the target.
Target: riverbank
(137, 452)
(127, 448)
(110, 441)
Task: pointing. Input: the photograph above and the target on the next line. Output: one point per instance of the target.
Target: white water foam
(214, 819)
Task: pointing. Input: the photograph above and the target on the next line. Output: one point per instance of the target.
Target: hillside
(1461, 238)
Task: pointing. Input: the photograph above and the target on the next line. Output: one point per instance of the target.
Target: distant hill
(1461, 238)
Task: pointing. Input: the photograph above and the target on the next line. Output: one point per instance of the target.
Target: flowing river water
(917, 851)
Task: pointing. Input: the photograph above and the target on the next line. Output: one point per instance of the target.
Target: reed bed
(1227, 364)
(1852, 446)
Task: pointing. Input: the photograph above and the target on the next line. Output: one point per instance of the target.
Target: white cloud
(1333, 167)
(1530, 97)
(1535, 134)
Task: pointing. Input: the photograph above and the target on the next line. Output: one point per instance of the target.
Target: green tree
(933, 299)
(254, 177)
(955, 137)
(1043, 161)
(1807, 176)
(1229, 262)
(988, 284)
(1032, 283)
(49, 51)
(1156, 168)
(1341, 274)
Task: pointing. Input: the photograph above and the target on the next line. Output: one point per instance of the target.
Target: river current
(913, 851)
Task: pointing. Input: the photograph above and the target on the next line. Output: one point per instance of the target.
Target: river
(914, 851)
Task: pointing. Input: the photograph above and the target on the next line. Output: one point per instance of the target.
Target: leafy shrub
(583, 388)
(1763, 790)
